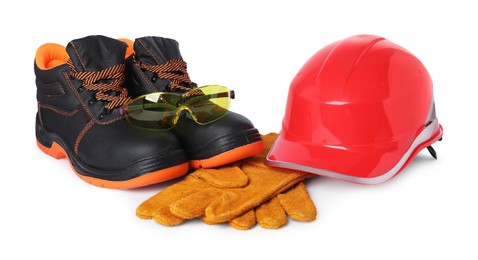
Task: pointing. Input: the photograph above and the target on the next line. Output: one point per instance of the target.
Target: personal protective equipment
(223, 194)
(79, 92)
(157, 66)
(359, 110)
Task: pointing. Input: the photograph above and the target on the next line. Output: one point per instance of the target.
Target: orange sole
(230, 156)
(56, 151)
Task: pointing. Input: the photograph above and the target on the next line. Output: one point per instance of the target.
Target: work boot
(79, 91)
(157, 66)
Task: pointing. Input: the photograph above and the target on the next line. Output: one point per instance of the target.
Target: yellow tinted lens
(153, 111)
(208, 103)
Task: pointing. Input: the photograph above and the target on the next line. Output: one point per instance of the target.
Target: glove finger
(164, 217)
(271, 215)
(194, 205)
(244, 222)
(264, 184)
(223, 208)
(224, 177)
(167, 196)
(146, 209)
(298, 204)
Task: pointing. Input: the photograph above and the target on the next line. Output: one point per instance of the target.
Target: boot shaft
(157, 66)
(57, 87)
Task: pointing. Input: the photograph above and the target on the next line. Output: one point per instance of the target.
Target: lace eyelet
(104, 113)
(91, 101)
(80, 89)
(154, 78)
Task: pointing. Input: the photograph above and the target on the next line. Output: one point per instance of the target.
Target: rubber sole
(56, 151)
(230, 156)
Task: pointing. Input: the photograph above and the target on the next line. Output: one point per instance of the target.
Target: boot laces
(104, 91)
(175, 71)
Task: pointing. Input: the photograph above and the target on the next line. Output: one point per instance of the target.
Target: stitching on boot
(136, 66)
(51, 87)
(40, 117)
(57, 110)
(82, 133)
(78, 54)
(84, 105)
(144, 46)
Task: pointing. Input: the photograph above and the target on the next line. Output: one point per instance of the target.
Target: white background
(255, 47)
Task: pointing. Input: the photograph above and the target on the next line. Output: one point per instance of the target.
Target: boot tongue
(94, 53)
(156, 50)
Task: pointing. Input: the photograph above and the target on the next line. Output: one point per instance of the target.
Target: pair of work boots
(80, 90)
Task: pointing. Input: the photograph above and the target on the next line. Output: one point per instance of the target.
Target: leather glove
(223, 194)
(273, 214)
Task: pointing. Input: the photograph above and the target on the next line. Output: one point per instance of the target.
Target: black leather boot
(79, 90)
(226, 140)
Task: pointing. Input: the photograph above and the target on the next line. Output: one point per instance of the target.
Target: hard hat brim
(321, 160)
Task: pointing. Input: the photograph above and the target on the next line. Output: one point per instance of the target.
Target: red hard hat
(359, 110)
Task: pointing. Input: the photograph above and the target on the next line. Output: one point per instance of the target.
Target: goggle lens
(161, 110)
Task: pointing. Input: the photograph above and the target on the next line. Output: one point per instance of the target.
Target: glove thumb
(224, 177)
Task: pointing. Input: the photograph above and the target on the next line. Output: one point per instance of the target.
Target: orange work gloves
(241, 193)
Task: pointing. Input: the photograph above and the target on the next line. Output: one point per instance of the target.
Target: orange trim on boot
(230, 156)
(58, 152)
(143, 180)
(129, 49)
(55, 151)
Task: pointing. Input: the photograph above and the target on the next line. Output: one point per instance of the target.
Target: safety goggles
(161, 110)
